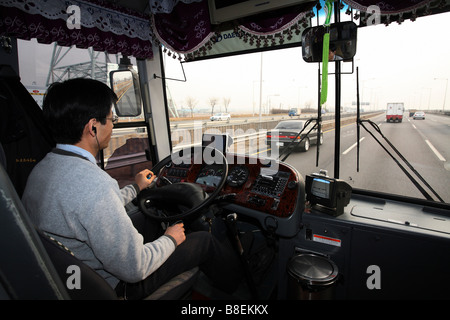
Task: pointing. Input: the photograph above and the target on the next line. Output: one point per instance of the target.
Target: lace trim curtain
(166, 6)
(398, 10)
(388, 7)
(185, 29)
(183, 26)
(102, 26)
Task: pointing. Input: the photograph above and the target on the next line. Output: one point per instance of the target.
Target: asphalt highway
(424, 143)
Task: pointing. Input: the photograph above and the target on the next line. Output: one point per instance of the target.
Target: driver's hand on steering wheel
(176, 231)
(144, 179)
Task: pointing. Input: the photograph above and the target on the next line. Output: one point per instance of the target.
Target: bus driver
(69, 197)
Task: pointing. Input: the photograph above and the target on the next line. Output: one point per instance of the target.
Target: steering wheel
(183, 200)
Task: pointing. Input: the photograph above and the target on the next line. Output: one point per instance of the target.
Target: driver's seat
(16, 227)
(94, 287)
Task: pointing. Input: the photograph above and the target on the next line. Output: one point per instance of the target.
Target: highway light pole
(445, 92)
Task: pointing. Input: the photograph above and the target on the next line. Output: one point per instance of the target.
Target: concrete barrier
(245, 134)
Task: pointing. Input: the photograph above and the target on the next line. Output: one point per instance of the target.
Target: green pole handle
(326, 49)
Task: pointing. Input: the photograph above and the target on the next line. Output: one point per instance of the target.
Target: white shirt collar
(82, 152)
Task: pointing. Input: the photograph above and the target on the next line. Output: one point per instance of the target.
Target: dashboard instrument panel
(251, 183)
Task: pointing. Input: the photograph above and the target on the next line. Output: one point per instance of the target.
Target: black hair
(69, 105)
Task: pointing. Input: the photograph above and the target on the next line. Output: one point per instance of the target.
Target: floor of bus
(261, 265)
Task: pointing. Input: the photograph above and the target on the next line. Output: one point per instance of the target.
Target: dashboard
(276, 190)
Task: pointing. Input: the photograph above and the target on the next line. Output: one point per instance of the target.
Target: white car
(419, 115)
(220, 116)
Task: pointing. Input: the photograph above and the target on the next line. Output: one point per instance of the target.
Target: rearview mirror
(342, 42)
(125, 83)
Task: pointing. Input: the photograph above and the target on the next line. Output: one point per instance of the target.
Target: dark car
(286, 131)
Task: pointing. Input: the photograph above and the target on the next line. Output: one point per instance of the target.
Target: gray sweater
(81, 206)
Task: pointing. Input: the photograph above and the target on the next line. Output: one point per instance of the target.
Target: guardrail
(194, 135)
(439, 112)
(133, 145)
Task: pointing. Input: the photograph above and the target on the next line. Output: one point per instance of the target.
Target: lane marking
(436, 152)
(440, 157)
(352, 146)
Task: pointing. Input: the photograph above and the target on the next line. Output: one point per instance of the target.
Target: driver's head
(70, 105)
(332, 52)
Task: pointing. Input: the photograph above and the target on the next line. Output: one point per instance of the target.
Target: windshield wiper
(377, 128)
(414, 181)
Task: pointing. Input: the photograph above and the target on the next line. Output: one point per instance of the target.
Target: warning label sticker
(327, 240)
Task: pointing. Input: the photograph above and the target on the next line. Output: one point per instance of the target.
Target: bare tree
(308, 104)
(191, 103)
(226, 103)
(212, 103)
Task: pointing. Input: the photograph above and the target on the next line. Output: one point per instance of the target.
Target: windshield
(260, 89)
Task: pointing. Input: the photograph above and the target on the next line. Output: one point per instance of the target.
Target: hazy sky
(397, 63)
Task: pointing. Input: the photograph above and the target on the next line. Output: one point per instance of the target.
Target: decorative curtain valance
(389, 7)
(102, 25)
(187, 29)
(182, 26)
(266, 31)
(166, 6)
(398, 10)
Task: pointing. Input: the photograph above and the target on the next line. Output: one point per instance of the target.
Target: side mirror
(342, 42)
(125, 83)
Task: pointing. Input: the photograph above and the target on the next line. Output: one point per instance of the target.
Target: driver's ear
(91, 127)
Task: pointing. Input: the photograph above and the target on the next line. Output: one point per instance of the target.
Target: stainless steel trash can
(311, 277)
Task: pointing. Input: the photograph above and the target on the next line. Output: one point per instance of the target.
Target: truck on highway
(294, 112)
(394, 112)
